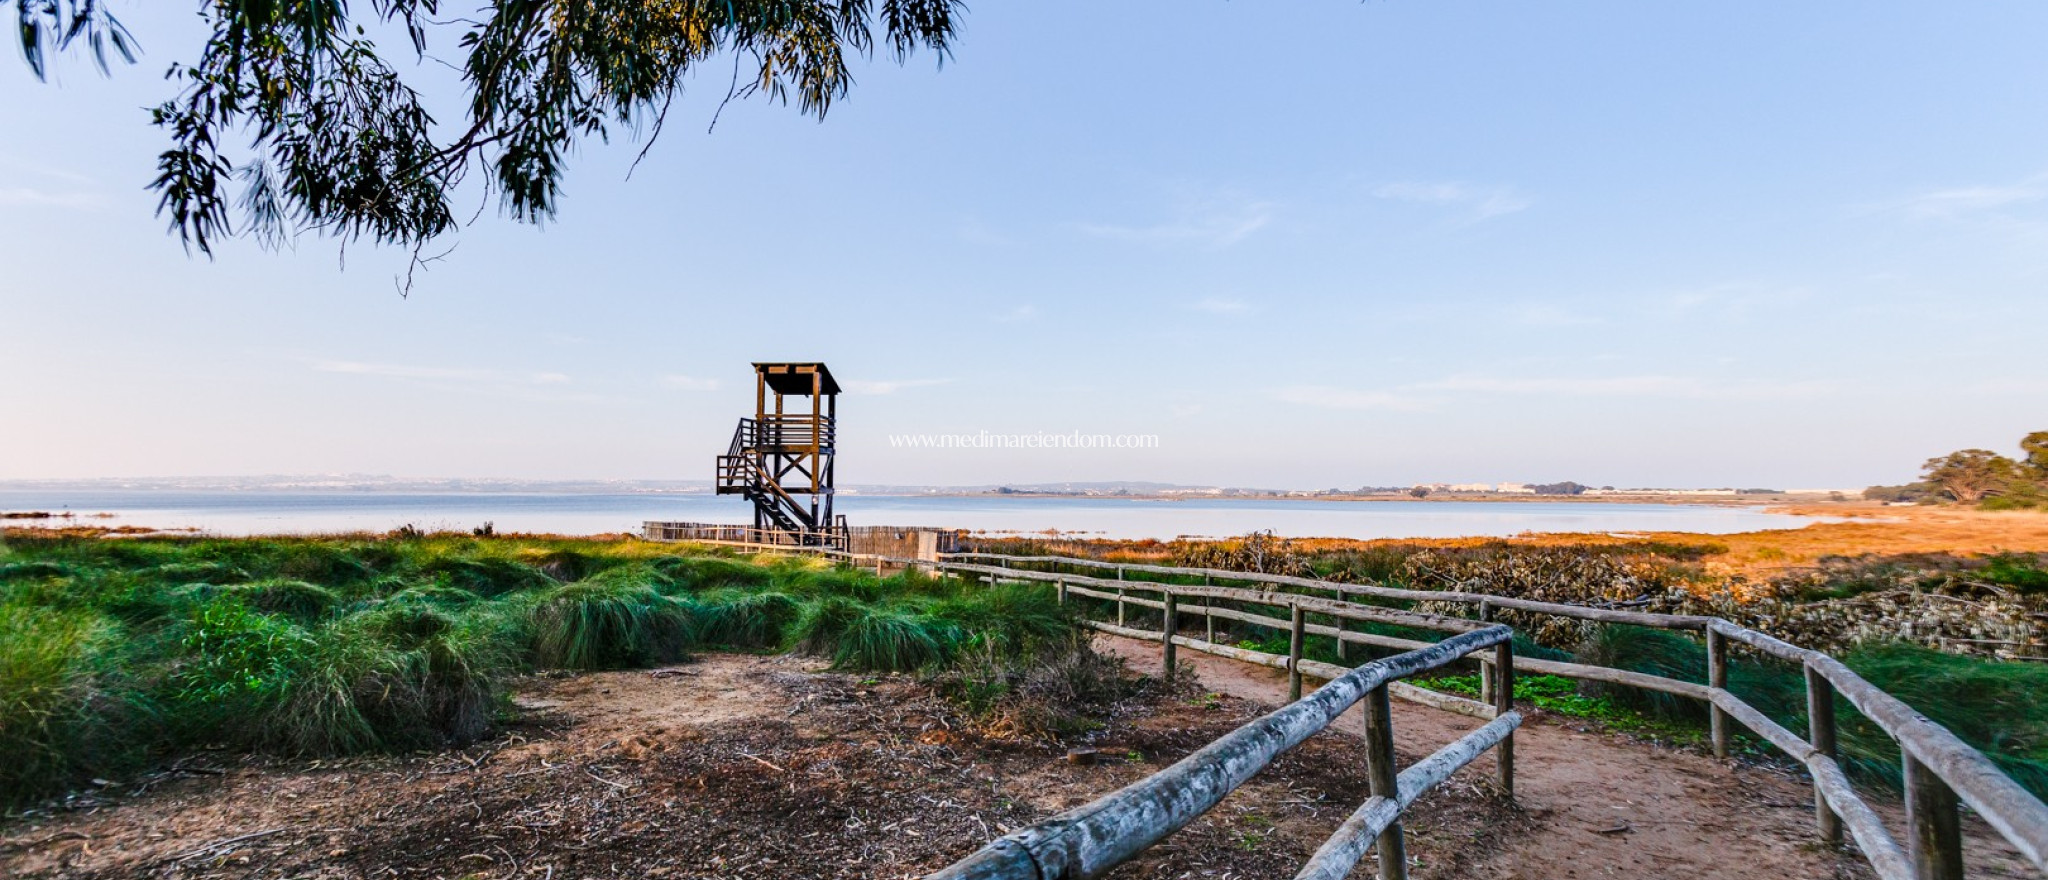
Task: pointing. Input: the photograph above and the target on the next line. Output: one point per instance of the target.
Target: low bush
(748, 620)
(612, 623)
(65, 712)
(113, 651)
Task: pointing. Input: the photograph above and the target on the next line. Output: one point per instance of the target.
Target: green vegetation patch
(116, 652)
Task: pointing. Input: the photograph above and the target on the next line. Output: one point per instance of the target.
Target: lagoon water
(278, 512)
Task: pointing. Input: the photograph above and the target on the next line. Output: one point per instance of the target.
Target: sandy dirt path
(1605, 806)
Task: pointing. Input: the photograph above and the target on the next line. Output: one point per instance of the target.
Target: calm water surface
(274, 512)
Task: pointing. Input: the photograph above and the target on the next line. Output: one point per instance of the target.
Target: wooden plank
(1313, 603)
(1316, 669)
(1774, 733)
(1090, 840)
(1532, 665)
(1582, 612)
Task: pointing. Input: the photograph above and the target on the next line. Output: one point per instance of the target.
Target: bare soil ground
(1601, 804)
(728, 767)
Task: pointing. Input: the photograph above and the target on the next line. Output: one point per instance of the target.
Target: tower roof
(794, 377)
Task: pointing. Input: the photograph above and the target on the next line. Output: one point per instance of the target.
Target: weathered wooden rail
(1091, 840)
(1942, 773)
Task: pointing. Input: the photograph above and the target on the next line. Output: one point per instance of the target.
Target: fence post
(1503, 703)
(1059, 588)
(1934, 820)
(1820, 725)
(1119, 606)
(1209, 617)
(1172, 623)
(1294, 654)
(1717, 678)
(1340, 641)
(1485, 667)
(1384, 779)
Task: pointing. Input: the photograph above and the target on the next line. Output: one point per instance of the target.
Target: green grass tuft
(609, 624)
(749, 620)
(63, 712)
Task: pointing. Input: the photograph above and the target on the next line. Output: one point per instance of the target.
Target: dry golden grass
(1869, 528)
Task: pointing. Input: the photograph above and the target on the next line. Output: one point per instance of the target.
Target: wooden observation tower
(781, 459)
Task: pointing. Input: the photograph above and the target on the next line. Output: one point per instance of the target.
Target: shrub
(2022, 572)
(486, 576)
(753, 620)
(452, 665)
(297, 600)
(701, 573)
(1020, 618)
(865, 637)
(1995, 706)
(63, 713)
(235, 668)
(609, 624)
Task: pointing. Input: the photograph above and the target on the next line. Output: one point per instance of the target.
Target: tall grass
(115, 650)
(2001, 708)
(63, 709)
(610, 624)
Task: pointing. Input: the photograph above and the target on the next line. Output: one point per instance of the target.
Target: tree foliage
(1970, 475)
(340, 141)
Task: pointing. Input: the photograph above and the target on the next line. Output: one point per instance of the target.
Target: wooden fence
(1091, 840)
(1942, 773)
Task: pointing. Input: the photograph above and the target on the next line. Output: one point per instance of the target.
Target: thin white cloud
(1024, 312)
(690, 383)
(1211, 222)
(1964, 202)
(1541, 315)
(1477, 202)
(1436, 393)
(1629, 386)
(1217, 305)
(439, 374)
(1331, 397)
(27, 197)
(869, 386)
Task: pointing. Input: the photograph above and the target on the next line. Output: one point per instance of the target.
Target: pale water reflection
(268, 512)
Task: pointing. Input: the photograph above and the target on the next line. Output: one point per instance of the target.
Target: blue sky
(1307, 245)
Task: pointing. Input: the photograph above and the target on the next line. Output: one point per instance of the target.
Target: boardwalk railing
(1941, 772)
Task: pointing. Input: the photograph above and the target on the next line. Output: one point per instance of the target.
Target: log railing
(1091, 840)
(1942, 773)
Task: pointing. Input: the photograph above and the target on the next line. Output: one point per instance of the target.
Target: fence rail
(1941, 772)
(1092, 839)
